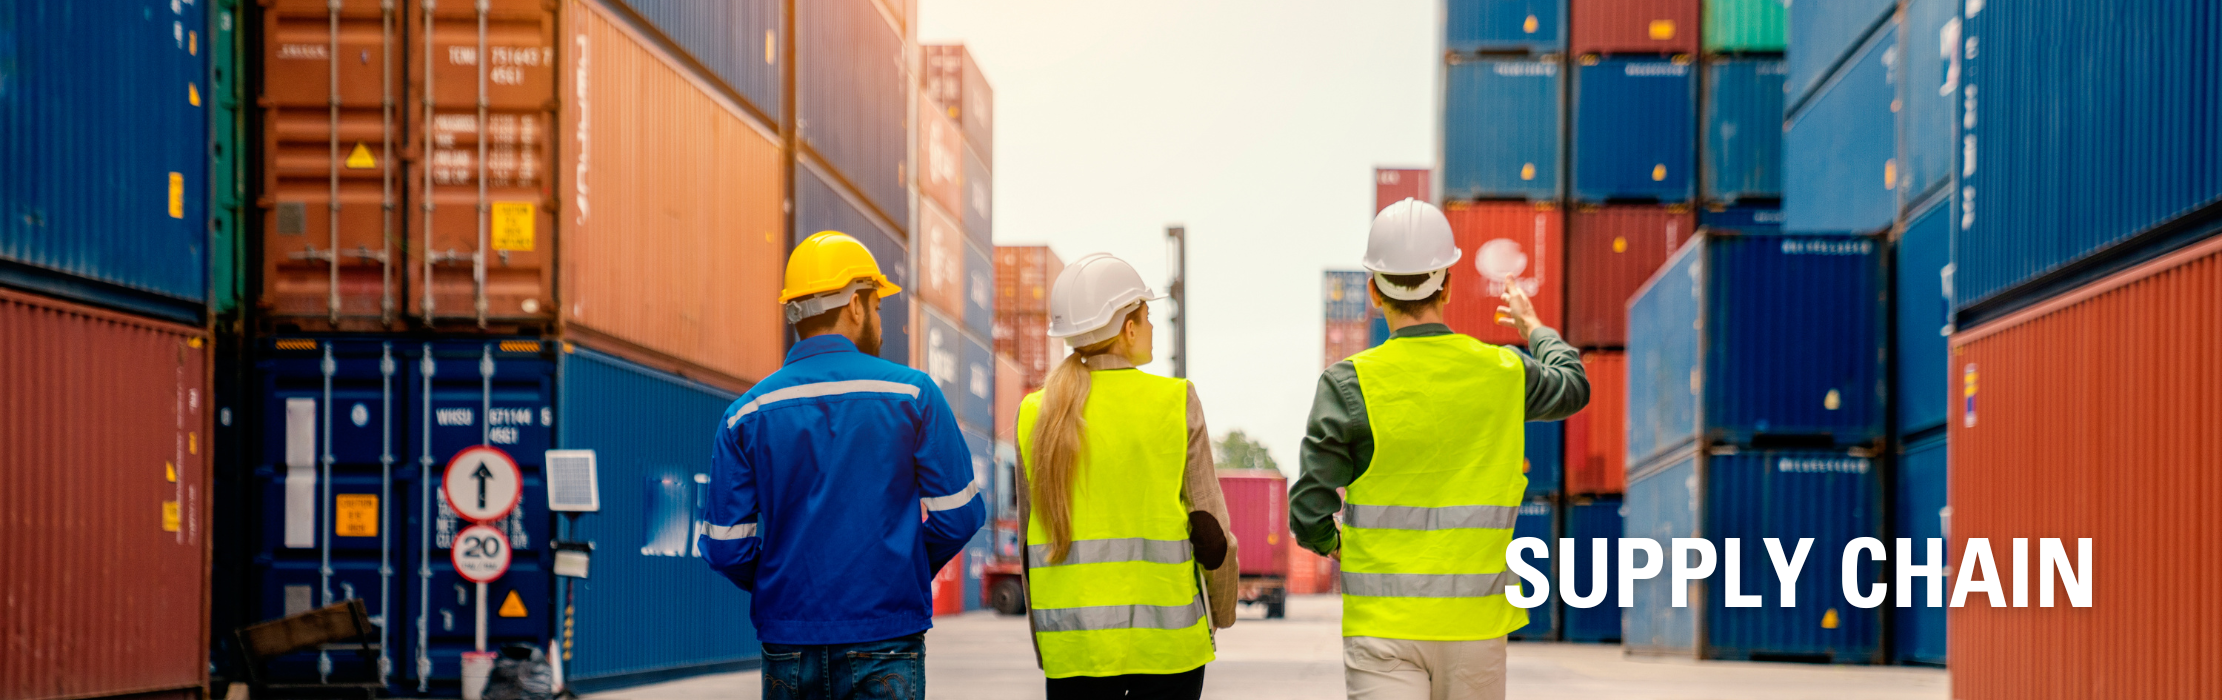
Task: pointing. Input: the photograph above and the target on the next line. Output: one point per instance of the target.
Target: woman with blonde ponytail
(1129, 563)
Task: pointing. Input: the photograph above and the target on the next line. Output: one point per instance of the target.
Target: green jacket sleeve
(1557, 385)
(1337, 442)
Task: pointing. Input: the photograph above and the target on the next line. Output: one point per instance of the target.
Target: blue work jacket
(820, 478)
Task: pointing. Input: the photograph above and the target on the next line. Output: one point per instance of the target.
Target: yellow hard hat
(828, 261)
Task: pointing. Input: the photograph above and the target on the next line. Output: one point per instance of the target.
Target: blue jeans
(893, 669)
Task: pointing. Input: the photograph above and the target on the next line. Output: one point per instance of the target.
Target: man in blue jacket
(839, 485)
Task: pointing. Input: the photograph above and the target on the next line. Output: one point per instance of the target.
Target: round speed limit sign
(481, 554)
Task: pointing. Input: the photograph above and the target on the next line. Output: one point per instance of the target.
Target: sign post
(482, 485)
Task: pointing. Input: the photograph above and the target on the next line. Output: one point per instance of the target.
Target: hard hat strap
(807, 307)
(1423, 290)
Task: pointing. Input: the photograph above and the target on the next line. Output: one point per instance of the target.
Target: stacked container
(1349, 314)
(1023, 275)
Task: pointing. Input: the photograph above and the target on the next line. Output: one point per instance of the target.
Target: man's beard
(868, 342)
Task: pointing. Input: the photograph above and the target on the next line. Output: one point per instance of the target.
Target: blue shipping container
(1344, 294)
(1932, 84)
(1924, 321)
(941, 355)
(821, 207)
(852, 108)
(1545, 461)
(1822, 33)
(104, 136)
(1743, 129)
(1539, 519)
(649, 608)
(978, 402)
(349, 429)
(1588, 519)
(1503, 125)
(1920, 512)
(1537, 26)
(979, 552)
(1634, 123)
(1769, 340)
(1748, 219)
(1828, 496)
(1844, 142)
(979, 200)
(1380, 332)
(2079, 136)
(979, 292)
(741, 41)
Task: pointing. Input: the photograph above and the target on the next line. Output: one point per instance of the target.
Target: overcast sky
(1256, 124)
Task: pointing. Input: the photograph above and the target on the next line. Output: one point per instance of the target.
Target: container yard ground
(982, 655)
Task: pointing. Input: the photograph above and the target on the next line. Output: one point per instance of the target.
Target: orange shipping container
(940, 261)
(1023, 275)
(1346, 338)
(1010, 389)
(2059, 433)
(1596, 437)
(940, 158)
(1500, 239)
(1024, 337)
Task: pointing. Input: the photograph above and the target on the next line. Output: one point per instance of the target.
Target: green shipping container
(226, 255)
(1742, 26)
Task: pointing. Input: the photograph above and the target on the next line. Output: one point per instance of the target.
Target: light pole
(1176, 243)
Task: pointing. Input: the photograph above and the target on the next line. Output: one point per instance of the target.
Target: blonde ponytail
(1059, 439)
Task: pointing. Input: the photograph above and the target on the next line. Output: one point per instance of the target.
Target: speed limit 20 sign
(481, 553)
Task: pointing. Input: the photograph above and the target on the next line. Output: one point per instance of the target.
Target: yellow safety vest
(1425, 527)
(1125, 599)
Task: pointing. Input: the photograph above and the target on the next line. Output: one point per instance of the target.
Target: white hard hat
(1091, 296)
(1410, 237)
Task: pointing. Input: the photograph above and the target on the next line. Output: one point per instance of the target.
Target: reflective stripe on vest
(1126, 598)
(1427, 523)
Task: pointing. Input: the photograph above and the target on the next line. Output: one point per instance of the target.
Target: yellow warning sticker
(1662, 29)
(355, 515)
(1620, 244)
(1658, 172)
(1890, 174)
(512, 606)
(1527, 171)
(193, 94)
(1828, 619)
(169, 471)
(169, 516)
(193, 44)
(177, 195)
(360, 158)
(1529, 26)
(192, 443)
(513, 226)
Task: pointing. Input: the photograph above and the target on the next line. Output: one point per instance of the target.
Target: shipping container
(2052, 444)
(104, 132)
(852, 102)
(941, 258)
(1634, 129)
(1010, 389)
(1380, 330)
(1023, 275)
(227, 170)
(1745, 26)
(1499, 240)
(103, 429)
(742, 43)
(1392, 185)
(344, 505)
(1822, 35)
(649, 608)
(1611, 250)
(1503, 127)
(977, 405)
(1538, 518)
(979, 553)
(1742, 143)
(940, 159)
(1844, 141)
(1931, 86)
(1257, 511)
(947, 588)
(2088, 139)
(1543, 459)
(1024, 337)
(979, 291)
(1346, 295)
(1533, 26)
(1309, 573)
(1590, 519)
(1750, 219)
(1635, 26)
(1832, 497)
(979, 200)
(1344, 339)
(955, 84)
(1760, 341)
(1596, 452)
(819, 206)
(1920, 510)
(941, 356)
(1923, 320)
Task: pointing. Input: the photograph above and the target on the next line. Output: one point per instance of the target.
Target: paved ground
(981, 655)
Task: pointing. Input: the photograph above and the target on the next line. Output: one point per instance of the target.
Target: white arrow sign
(481, 554)
(482, 484)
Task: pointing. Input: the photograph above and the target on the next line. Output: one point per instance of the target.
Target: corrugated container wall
(955, 83)
(227, 169)
(1844, 141)
(941, 349)
(1634, 129)
(672, 224)
(1922, 391)
(1392, 185)
(740, 41)
(1537, 26)
(979, 292)
(1748, 219)
(1596, 440)
(1662, 504)
(1345, 294)
(1745, 26)
(976, 407)
(1257, 505)
(104, 431)
(1920, 510)
(1611, 250)
(648, 607)
(1741, 156)
(1635, 26)
(979, 199)
(1023, 275)
(1539, 519)
(1770, 340)
(1024, 337)
(2085, 134)
(940, 245)
(1932, 90)
(1343, 339)
(1822, 34)
(2131, 468)
(1502, 128)
(1543, 457)
(1520, 240)
(104, 132)
(852, 106)
(820, 207)
(940, 159)
(1589, 519)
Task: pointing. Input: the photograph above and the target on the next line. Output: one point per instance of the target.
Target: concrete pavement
(985, 656)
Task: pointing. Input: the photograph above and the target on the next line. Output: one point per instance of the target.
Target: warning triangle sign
(512, 606)
(360, 159)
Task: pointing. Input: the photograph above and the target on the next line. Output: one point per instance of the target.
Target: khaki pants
(1403, 669)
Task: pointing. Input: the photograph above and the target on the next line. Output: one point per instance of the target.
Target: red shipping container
(940, 158)
(1611, 252)
(1346, 338)
(1596, 437)
(940, 274)
(1023, 275)
(1392, 185)
(104, 498)
(1257, 505)
(2065, 435)
(948, 588)
(1024, 337)
(1520, 239)
(1308, 573)
(1634, 26)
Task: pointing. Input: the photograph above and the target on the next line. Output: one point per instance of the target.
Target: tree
(1238, 451)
